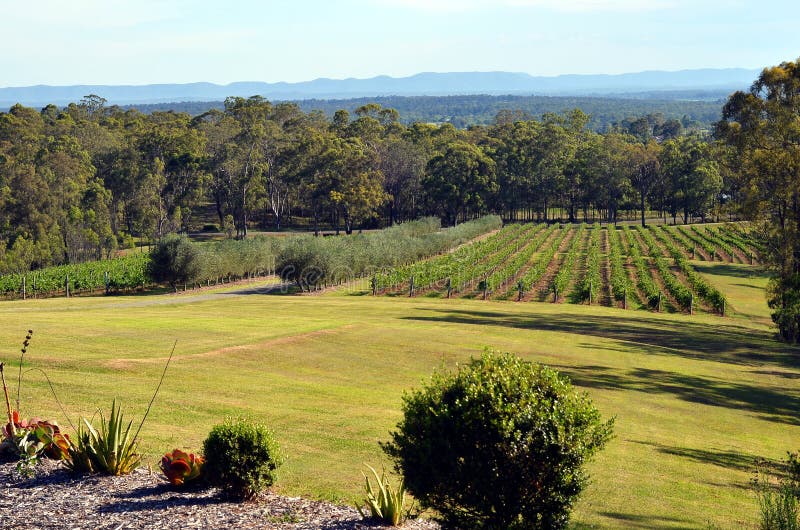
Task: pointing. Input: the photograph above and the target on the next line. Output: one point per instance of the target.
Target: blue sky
(61, 42)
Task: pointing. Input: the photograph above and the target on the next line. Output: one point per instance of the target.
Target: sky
(60, 42)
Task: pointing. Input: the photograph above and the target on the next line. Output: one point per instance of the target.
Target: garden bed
(54, 498)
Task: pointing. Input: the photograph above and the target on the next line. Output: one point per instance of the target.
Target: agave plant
(384, 503)
(78, 459)
(180, 467)
(111, 449)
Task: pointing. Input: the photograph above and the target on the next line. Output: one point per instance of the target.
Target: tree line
(693, 109)
(78, 182)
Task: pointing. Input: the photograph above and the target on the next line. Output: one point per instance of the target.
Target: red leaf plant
(179, 467)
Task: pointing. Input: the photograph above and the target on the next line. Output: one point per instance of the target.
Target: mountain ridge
(420, 84)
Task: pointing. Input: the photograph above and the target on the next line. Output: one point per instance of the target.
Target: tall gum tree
(763, 127)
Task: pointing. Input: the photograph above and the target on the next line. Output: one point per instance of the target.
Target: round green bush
(241, 458)
(174, 259)
(500, 444)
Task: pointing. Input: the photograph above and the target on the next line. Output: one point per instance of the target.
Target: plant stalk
(8, 402)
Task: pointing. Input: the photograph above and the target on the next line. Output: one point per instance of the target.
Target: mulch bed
(54, 498)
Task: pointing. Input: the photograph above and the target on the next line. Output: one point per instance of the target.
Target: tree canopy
(78, 182)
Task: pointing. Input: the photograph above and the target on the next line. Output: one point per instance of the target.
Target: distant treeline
(78, 182)
(694, 109)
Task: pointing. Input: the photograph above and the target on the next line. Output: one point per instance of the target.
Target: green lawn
(697, 399)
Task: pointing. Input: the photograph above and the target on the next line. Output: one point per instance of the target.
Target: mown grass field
(697, 399)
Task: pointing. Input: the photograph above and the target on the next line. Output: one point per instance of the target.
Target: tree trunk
(642, 205)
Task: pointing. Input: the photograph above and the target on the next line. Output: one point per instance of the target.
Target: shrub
(500, 444)
(778, 504)
(241, 458)
(174, 260)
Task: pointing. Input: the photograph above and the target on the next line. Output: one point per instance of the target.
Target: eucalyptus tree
(515, 157)
(692, 176)
(460, 181)
(608, 167)
(402, 164)
(761, 125)
(338, 178)
(347, 173)
(173, 168)
(553, 149)
(646, 172)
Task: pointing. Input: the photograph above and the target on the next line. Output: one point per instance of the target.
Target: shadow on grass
(271, 289)
(748, 286)
(734, 460)
(725, 342)
(781, 407)
(728, 343)
(778, 373)
(652, 522)
(734, 271)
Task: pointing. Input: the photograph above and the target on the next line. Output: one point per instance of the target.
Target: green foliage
(518, 255)
(386, 504)
(695, 238)
(537, 270)
(181, 467)
(126, 272)
(242, 458)
(460, 179)
(699, 285)
(565, 272)
(109, 449)
(784, 299)
(779, 503)
(174, 259)
(778, 509)
(78, 454)
(30, 440)
(500, 444)
(312, 262)
(678, 291)
(644, 277)
(589, 286)
(693, 109)
(463, 266)
(620, 282)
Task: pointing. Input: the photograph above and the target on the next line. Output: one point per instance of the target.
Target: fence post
(520, 289)
(555, 293)
(449, 287)
(590, 292)
(34, 286)
(23, 287)
(66, 285)
(411, 287)
(485, 288)
(105, 280)
(723, 307)
(374, 285)
(625, 298)
(659, 301)
(691, 303)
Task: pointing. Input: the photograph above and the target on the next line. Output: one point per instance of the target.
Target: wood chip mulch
(54, 498)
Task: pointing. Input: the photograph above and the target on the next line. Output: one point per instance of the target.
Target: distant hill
(647, 85)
